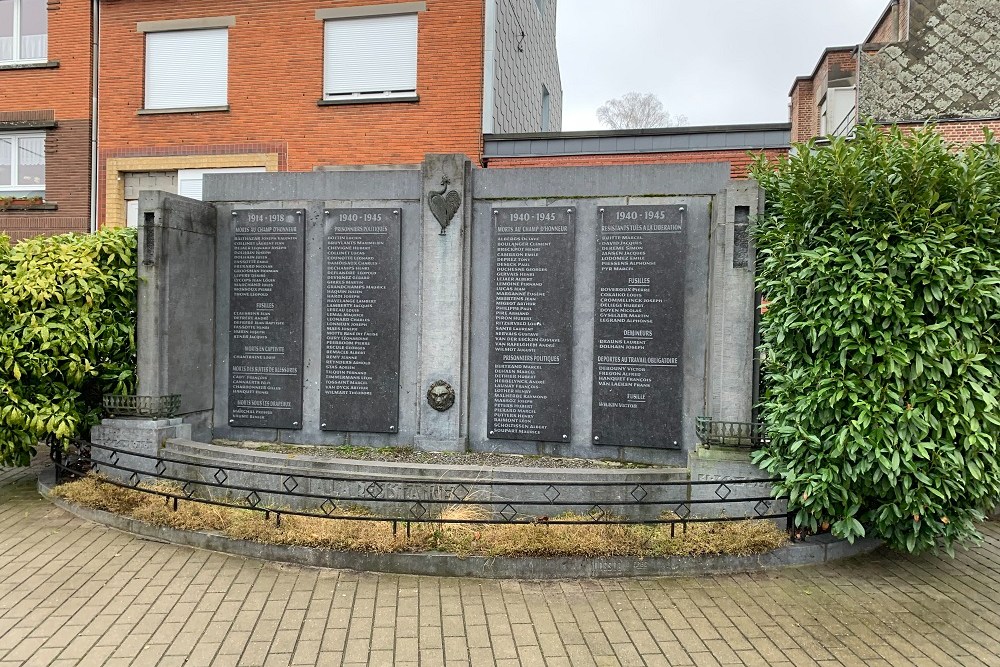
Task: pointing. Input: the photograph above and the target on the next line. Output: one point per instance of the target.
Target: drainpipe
(489, 66)
(95, 34)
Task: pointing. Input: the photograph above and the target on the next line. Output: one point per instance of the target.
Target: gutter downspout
(489, 67)
(95, 40)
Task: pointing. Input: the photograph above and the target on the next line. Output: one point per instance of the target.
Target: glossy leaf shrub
(67, 335)
(880, 260)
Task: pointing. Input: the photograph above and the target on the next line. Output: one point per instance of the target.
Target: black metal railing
(413, 499)
(738, 435)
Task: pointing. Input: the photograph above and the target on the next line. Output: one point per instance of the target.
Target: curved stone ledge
(270, 461)
(815, 551)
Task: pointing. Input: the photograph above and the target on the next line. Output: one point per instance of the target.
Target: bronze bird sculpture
(444, 206)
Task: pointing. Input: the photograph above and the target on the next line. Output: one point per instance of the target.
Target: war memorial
(593, 313)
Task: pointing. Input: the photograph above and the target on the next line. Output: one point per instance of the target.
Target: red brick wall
(963, 132)
(739, 160)
(803, 111)
(276, 78)
(61, 94)
(65, 89)
(886, 31)
(808, 93)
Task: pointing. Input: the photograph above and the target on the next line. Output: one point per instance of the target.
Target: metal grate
(739, 435)
(152, 407)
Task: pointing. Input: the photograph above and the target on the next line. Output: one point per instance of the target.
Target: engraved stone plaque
(531, 324)
(639, 326)
(265, 318)
(359, 386)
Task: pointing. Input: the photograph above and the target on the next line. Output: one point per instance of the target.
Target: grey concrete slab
(175, 304)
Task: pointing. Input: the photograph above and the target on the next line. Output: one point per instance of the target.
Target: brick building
(193, 86)
(45, 116)
(924, 61)
(734, 144)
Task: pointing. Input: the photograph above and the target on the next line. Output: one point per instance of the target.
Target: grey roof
(660, 140)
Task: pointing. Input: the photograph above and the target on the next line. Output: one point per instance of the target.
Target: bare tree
(633, 111)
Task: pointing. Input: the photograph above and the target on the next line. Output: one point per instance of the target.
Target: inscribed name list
(265, 319)
(639, 326)
(531, 336)
(361, 300)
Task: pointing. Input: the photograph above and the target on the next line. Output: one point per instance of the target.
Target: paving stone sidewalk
(76, 593)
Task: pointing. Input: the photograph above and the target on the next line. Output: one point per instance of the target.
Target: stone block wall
(523, 64)
(948, 68)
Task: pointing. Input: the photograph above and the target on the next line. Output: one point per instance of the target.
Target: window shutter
(191, 183)
(371, 55)
(187, 68)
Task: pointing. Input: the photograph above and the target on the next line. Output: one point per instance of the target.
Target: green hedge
(880, 257)
(67, 335)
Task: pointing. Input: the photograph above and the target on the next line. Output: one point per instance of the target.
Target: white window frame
(330, 93)
(842, 109)
(16, 46)
(151, 104)
(132, 213)
(12, 189)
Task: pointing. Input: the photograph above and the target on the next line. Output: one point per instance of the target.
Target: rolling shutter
(187, 68)
(190, 181)
(370, 56)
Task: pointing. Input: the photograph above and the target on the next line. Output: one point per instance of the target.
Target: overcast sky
(714, 61)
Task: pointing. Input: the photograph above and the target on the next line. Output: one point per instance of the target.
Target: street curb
(817, 550)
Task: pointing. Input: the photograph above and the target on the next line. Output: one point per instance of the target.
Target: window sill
(407, 99)
(52, 64)
(28, 125)
(155, 112)
(45, 206)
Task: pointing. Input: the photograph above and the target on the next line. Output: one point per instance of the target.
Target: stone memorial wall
(548, 311)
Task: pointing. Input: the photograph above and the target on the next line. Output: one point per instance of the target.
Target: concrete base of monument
(814, 551)
(726, 474)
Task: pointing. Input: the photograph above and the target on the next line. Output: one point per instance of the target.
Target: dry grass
(740, 538)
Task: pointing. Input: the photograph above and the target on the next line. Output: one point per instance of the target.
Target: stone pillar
(443, 345)
(137, 436)
(175, 334)
(732, 304)
(731, 376)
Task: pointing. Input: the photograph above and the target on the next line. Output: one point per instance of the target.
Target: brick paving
(76, 593)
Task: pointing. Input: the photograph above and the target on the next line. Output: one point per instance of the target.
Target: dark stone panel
(531, 324)
(741, 238)
(265, 318)
(639, 326)
(359, 385)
